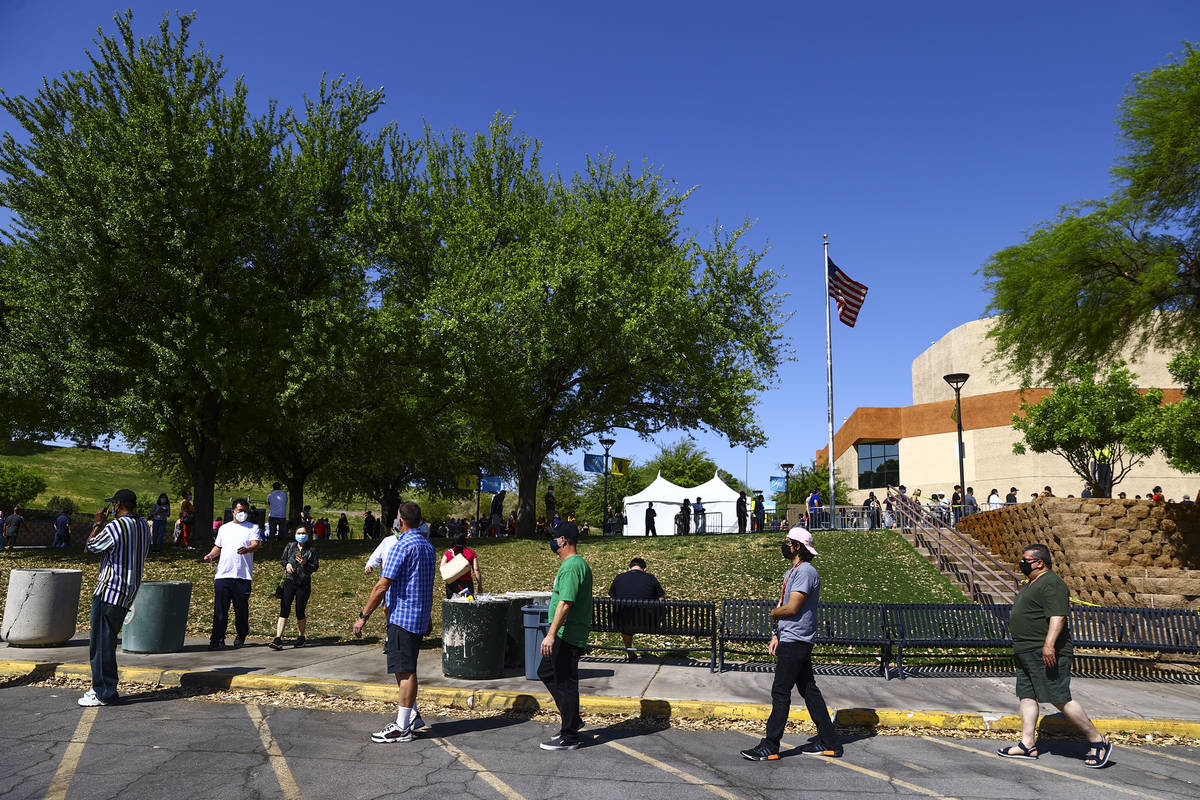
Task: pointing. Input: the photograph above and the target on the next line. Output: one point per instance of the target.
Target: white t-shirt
(230, 537)
(381, 551)
(277, 502)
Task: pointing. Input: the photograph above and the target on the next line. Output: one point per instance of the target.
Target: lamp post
(606, 443)
(478, 497)
(956, 381)
(787, 490)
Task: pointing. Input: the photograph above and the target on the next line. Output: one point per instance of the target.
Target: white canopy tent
(720, 506)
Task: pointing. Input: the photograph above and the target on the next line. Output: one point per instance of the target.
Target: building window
(878, 464)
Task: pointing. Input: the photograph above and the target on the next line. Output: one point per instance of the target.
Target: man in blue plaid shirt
(124, 542)
(405, 587)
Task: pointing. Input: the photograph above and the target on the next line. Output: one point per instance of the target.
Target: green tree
(1124, 270)
(1178, 431)
(812, 477)
(569, 307)
(1103, 429)
(19, 485)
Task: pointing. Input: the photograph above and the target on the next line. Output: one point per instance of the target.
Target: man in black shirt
(741, 512)
(650, 515)
(1011, 498)
(634, 584)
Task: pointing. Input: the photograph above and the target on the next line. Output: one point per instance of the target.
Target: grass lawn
(855, 566)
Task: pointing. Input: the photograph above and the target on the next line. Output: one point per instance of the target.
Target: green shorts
(1039, 682)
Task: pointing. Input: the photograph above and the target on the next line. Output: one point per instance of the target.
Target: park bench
(657, 617)
(946, 626)
(838, 624)
(1162, 630)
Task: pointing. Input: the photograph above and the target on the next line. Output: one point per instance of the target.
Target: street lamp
(787, 490)
(956, 381)
(606, 443)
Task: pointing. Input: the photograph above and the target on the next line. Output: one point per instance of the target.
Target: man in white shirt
(276, 512)
(233, 551)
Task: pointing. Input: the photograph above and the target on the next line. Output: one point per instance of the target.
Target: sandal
(1094, 759)
(1027, 753)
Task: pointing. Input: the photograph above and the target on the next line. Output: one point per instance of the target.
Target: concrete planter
(42, 607)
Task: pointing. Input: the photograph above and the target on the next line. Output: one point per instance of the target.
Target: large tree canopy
(562, 308)
(1125, 270)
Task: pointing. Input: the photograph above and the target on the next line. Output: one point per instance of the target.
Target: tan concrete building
(917, 445)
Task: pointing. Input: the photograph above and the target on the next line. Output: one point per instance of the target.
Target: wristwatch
(363, 617)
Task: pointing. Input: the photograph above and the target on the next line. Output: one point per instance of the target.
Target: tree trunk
(389, 508)
(295, 487)
(528, 469)
(204, 481)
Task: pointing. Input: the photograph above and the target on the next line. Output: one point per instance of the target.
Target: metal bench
(1162, 630)
(947, 625)
(838, 624)
(656, 617)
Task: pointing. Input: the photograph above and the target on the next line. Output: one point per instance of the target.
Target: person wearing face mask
(570, 610)
(187, 521)
(233, 551)
(299, 562)
(158, 521)
(1042, 649)
(795, 621)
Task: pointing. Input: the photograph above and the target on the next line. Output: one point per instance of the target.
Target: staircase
(970, 567)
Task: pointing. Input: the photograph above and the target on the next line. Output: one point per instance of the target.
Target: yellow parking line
(283, 773)
(678, 773)
(1061, 773)
(70, 760)
(1190, 761)
(491, 780)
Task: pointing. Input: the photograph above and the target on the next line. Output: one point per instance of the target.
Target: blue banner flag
(490, 484)
(778, 484)
(593, 463)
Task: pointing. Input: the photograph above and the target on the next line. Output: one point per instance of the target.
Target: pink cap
(804, 537)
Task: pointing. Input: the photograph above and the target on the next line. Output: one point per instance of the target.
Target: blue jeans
(227, 591)
(157, 528)
(107, 620)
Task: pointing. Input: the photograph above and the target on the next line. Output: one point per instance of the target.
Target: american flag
(848, 293)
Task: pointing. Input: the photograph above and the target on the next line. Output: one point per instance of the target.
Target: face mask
(786, 550)
(554, 546)
(239, 516)
(1025, 567)
(302, 538)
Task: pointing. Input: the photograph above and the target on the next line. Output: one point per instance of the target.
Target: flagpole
(829, 389)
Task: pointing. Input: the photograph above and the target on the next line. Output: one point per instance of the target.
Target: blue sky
(922, 137)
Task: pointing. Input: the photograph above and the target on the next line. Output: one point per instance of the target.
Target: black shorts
(401, 649)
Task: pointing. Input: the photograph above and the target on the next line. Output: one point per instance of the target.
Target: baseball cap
(567, 530)
(804, 537)
(125, 497)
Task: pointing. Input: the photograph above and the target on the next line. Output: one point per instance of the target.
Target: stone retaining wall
(1112, 552)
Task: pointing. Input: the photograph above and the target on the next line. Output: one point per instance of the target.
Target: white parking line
(1041, 768)
(283, 773)
(70, 760)
(491, 780)
(678, 773)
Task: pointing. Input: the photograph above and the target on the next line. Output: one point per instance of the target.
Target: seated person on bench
(634, 584)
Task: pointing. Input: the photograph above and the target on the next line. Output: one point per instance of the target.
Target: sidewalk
(648, 686)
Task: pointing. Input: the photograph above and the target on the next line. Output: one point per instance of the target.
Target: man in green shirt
(1042, 650)
(570, 621)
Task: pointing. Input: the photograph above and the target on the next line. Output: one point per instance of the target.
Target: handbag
(455, 568)
(279, 590)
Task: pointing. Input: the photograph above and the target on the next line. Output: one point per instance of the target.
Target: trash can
(41, 607)
(537, 624)
(157, 621)
(473, 636)
(514, 646)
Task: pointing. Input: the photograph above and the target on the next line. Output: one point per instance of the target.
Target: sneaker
(630, 655)
(392, 733)
(239, 641)
(219, 644)
(760, 752)
(299, 642)
(817, 749)
(559, 743)
(416, 723)
(90, 699)
(276, 644)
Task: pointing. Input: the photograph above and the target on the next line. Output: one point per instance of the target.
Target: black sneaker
(239, 641)
(760, 752)
(391, 734)
(818, 749)
(299, 642)
(276, 644)
(559, 743)
(219, 644)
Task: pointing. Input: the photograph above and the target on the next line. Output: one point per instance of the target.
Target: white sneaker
(90, 700)
(416, 721)
(392, 733)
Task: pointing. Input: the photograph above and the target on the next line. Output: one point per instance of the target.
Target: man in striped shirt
(124, 541)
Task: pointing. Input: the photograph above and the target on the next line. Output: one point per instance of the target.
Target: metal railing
(845, 518)
(956, 554)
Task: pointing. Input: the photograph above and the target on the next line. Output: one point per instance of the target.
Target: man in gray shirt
(796, 627)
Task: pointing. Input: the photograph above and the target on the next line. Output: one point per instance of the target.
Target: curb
(529, 702)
